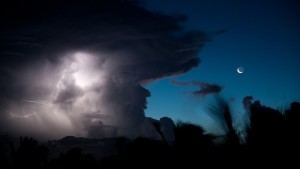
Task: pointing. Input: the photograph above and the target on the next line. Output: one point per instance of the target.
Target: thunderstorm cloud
(78, 68)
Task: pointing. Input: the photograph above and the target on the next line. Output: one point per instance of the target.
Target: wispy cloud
(204, 88)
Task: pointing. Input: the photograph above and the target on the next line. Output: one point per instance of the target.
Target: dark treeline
(271, 138)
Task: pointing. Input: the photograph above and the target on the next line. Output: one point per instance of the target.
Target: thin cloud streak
(204, 88)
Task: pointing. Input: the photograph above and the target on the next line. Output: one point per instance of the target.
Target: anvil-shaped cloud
(68, 67)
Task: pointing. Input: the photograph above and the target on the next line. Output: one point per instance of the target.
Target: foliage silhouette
(271, 138)
(30, 154)
(74, 158)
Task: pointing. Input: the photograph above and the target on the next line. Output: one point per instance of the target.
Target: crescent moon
(240, 70)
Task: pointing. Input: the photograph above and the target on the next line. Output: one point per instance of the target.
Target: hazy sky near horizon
(261, 36)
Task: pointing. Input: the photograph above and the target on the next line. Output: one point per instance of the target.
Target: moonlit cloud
(77, 67)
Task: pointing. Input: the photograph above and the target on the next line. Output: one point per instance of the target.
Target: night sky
(261, 36)
(84, 68)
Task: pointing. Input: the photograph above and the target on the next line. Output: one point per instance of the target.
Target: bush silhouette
(30, 154)
(74, 158)
(272, 135)
(271, 138)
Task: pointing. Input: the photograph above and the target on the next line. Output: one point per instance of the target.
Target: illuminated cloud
(75, 61)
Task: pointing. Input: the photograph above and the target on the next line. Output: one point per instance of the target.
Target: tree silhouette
(271, 135)
(229, 151)
(272, 139)
(74, 158)
(30, 154)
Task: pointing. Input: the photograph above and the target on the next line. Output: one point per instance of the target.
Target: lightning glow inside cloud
(79, 68)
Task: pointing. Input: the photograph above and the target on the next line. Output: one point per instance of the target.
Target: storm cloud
(68, 66)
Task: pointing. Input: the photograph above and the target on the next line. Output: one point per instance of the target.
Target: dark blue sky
(262, 36)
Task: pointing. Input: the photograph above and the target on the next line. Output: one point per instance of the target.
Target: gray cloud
(86, 57)
(205, 88)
